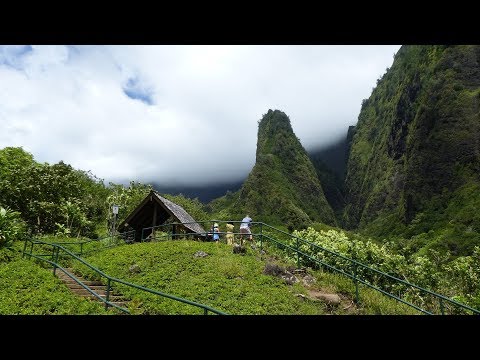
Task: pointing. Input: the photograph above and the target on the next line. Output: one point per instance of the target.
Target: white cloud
(68, 103)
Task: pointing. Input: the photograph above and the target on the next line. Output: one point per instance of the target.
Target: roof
(180, 213)
(170, 208)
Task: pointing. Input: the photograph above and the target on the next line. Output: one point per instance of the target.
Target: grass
(27, 288)
(229, 282)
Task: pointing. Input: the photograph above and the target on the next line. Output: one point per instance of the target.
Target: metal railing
(83, 247)
(358, 272)
(166, 231)
(55, 255)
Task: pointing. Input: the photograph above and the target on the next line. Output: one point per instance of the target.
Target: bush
(12, 227)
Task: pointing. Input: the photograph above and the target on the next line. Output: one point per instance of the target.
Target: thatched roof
(181, 214)
(142, 216)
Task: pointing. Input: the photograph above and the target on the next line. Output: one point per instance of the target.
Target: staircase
(96, 286)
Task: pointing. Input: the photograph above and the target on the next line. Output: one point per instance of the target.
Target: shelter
(155, 210)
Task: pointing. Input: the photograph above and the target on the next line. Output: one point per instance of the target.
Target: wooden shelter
(155, 210)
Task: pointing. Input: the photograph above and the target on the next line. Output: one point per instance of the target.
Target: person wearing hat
(216, 235)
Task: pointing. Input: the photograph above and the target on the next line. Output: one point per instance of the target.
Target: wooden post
(154, 221)
(154, 214)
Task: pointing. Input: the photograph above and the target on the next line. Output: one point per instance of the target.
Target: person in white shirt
(245, 227)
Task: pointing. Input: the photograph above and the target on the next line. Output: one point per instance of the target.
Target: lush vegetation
(283, 186)
(412, 189)
(12, 228)
(433, 271)
(29, 289)
(235, 284)
(50, 198)
(58, 199)
(414, 163)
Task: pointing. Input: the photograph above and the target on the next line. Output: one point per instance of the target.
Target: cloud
(14, 56)
(135, 89)
(177, 115)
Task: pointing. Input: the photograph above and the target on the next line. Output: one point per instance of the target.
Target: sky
(177, 115)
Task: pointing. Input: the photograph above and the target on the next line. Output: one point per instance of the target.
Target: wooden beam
(154, 220)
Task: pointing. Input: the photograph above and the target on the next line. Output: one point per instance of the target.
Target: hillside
(413, 166)
(283, 186)
(233, 283)
(29, 289)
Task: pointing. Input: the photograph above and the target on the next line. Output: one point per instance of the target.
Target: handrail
(89, 241)
(55, 265)
(355, 263)
(206, 308)
(439, 296)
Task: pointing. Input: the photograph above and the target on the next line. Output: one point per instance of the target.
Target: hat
(215, 225)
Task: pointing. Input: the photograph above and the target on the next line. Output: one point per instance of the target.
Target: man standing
(245, 227)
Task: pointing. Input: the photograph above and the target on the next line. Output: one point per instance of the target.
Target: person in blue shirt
(216, 235)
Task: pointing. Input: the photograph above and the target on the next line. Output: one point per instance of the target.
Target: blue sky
(177, 115)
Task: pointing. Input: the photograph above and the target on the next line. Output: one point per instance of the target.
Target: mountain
(203, 193)
(413, 168)
(283, 186)
(330, 164)
(333, 156)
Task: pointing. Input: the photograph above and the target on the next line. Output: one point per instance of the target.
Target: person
(245, 227)
(216, 235)
(229, 235)
(213, 234)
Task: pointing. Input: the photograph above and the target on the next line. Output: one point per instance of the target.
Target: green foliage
(127, 199)
(50, 197)
(431, 271)
(283, 186)
(225, 281)
(28, 289)
(413, 168)
(12, 227)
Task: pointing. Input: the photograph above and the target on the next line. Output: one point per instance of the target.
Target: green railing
(166, 231)
(83, 247)
(432, 303)
(54, 261)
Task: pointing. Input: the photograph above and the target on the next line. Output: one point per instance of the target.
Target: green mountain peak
(283, 186)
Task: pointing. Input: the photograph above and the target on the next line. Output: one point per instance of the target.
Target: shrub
(12, 227)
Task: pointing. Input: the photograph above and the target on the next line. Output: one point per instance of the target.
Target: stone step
(96, 286)
(93, 287)
(86, 282)
(120, 303)
(88, 293)
(69, 280)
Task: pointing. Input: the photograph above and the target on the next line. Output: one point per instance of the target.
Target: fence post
(261, 237)
(107, 297)
(441, 306)
(24, 248)
(356, 282)
(56, 261)
(298, 255)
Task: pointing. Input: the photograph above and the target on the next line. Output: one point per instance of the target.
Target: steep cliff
(413, 166)
(283, 186)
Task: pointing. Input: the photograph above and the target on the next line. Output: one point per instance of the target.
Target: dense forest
(42, 198)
